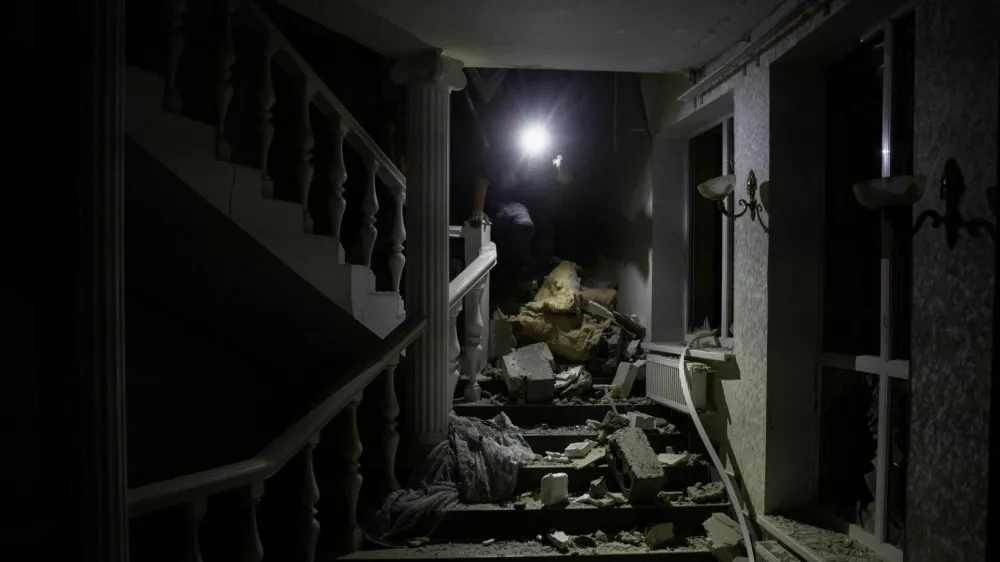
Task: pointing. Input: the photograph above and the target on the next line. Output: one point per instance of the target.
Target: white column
(430, 79)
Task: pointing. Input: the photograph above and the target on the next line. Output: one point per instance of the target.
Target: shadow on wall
(226, 345)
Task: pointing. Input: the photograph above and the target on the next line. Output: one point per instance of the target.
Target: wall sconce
(898, 191)
(717, 189)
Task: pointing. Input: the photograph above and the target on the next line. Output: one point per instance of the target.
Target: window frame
(885, 366)
(726, 338)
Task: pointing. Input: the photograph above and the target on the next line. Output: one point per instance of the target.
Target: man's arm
(479, 217)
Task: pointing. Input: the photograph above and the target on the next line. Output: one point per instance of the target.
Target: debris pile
(707, 493)
(635, 465)
(527, 371)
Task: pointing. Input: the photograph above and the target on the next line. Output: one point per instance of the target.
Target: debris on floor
(559, 540)
(488, 542)
(579, 450)
(669, 496)
(632, 537)
(707, 493)
(600, 536)
(660, 535)
(624, 379)
(595, 456)
(672, 459)
(598, 488)
(722, 531)
(584, 541)
(418, 541)
(573, 382)
(555, 489)
(527, 372)
(640, 420)
(635, 465)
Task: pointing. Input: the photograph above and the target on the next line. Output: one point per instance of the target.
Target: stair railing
(293, 448)
(468, 291)
(313, 92)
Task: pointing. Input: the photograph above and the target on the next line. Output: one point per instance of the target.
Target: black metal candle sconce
(755, 207)
(951, 190)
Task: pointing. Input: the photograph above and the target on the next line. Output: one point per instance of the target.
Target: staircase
(207, 157)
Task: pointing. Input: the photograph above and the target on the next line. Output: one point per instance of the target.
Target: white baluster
(224, 93)
(191, 549)
(337, 175)
(390, 410)
(175, 46)
(308, 495)
(368, 209)
(306, 143)
(454, 347)
(396, 259)
(473, 341)
(266, 101)
(250, 548)
(352, 450)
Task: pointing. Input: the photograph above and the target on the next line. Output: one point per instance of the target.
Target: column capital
(430, 66)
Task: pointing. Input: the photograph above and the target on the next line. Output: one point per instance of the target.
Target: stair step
(528, 415)
(542, 441)
(498, 386)
(695, 550)
(486, 521)
(529, 476)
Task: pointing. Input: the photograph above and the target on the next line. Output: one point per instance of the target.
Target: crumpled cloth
(477, 464)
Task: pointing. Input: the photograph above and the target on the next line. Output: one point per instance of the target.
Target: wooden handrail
(329, 105)
(168, 493)
(472, 275)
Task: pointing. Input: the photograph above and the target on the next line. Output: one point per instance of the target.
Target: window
(864, 379)
(710, 275)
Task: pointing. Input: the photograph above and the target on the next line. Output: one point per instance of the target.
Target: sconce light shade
(717, 189)
(896, 191)
(765, 195)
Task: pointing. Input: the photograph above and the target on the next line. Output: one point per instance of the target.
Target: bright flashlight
(534, 139)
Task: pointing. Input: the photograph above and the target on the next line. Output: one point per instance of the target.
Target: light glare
(534, 139)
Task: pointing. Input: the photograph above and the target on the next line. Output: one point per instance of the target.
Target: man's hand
(479, 218)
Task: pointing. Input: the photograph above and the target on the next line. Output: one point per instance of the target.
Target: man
(520, 205)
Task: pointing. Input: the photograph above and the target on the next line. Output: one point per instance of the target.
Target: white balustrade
(368, 209)
(307, 141)
(337, 175)
(266, 99)
(396, 259)
(308, 495)
(351, 450)
(224, 89)
(390, 411)
(473, 341)
(175, 46)
(454, 347)
(250, 548)
(191, 543)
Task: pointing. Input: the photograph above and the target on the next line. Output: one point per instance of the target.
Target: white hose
(734, 499)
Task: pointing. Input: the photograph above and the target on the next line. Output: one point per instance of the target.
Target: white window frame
(728, 225)
(884, 366)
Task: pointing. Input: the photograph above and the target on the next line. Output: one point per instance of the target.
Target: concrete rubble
(488, 542)
(640, 420)
(501, 337)
(724, 537)
(555, 489)
(707, 493)
(624, 379)
(596, 455)
(635, 465)
(573, 382)
(598, 488)
(632, 537)
(660, 535)
(579, 450)
(672, 459)
(559, 540)
(600, 536)
(527, 372)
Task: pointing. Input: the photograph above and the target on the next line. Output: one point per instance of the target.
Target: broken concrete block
(488, 542)
(722, 531)
(640, 369)
(707, 493)
(660, 535)
(669, 497)
(640, 420)
(635, 465)
(579, 450)
(593, 425)
(633, 538)
(501, 338)
(598, 488)
(559, 540)
(600, 536)
(617, 497)
(555, 488)
(624, 377)
(631, 350)
(671, 459)
(613, 422)
(527, 371)
(593, 457)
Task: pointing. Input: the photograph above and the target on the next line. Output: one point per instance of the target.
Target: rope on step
(734, 499)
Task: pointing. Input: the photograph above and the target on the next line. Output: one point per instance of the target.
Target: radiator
(663, 383)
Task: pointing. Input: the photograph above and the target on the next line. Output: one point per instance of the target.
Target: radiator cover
(663, 384)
